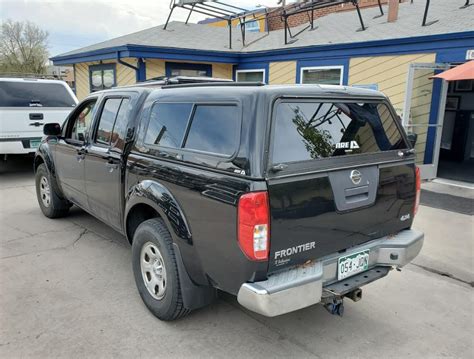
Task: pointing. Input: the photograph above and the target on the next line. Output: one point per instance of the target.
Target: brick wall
(275, 22)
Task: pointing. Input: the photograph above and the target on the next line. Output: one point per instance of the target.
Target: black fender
(43, 154)
(194, 283)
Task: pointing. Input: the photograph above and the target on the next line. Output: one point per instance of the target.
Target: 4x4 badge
(355, 176)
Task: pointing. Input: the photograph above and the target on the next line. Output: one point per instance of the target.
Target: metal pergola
(427, 7)
(230, 13)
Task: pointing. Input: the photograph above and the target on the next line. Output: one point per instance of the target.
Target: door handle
(37, 124)
(111, 165)
(81, 154)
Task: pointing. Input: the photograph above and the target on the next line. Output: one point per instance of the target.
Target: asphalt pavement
(67, 291)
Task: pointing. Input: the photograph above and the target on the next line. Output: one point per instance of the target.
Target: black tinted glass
(214, 129)
(118, 134)
(311, 130)
(107, 119)
(34, 94)
(167, 124)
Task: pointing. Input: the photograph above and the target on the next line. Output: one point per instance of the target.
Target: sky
(73, 24)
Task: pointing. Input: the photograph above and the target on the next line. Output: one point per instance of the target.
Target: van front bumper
(302, 286)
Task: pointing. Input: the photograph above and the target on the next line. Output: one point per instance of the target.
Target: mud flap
(194, 296)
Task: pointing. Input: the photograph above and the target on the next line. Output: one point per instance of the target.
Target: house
(397, 58)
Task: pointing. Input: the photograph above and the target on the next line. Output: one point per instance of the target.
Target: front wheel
(156, 271)
(50, 203)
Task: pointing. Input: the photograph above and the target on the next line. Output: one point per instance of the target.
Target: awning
(461, 72)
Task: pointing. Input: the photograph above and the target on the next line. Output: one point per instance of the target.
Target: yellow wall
(125, 76)
(235, 22)
(390, 74)
(282, 73)
(222, 71)
(155, 68)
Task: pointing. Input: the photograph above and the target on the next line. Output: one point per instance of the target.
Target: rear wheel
(50, 203)
(156, 271)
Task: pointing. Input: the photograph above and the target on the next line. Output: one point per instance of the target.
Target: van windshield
(34, 94)
(314, 130)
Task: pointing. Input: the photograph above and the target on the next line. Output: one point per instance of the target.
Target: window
(252, 26)
(120, 127)
(326, 75)
(184, 69)
(215, 129)
(107, 120)
(167, 124)
(102, 77)
(313, 130)
(82, 122)
(30, 93)
(250, 75)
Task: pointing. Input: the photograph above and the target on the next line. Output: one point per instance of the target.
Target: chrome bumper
(302, 286)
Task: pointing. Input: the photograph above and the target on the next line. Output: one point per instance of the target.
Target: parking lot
(67, 290)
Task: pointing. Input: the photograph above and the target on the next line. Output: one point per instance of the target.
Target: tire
(50, 203)
(157, 282)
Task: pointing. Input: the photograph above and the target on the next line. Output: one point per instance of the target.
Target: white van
(25, 106)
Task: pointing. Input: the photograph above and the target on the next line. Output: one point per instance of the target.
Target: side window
(107, 120)
(118, 133)
(215, 129)
(167, 124)
(82, 122)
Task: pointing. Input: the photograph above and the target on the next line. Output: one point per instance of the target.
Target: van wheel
(50, 203)
(156, 271)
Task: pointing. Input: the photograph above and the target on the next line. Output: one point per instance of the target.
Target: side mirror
(412, 137)
(52, 129)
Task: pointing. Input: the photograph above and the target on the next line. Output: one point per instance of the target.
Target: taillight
(418, 190)
(254, 225)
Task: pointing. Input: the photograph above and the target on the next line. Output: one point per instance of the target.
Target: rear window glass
(167, 124)
(215, 128)
(34, 94)
(313, 130)
(107, 120)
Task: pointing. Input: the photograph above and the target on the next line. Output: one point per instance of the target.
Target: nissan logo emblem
(355, 176)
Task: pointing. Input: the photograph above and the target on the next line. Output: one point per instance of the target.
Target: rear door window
(34, 94)
(107, 120)
(314, 130)
(215, 129)
(167, 124)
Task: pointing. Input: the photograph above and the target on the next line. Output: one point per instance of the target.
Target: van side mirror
(52, 129)
(412, 137)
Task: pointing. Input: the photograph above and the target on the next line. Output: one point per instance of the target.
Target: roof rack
(180, 80)
(214, 84)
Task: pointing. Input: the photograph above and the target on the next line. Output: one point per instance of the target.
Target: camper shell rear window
(312, 130)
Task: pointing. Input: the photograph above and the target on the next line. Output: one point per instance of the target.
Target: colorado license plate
(34, 143)
(352, 264)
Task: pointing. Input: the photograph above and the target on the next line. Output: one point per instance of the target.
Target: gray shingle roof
(337, 28)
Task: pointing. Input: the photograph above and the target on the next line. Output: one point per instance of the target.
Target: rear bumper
(302, 286)
(17, 145)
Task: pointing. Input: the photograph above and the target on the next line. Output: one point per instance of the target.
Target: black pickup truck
(285, 196)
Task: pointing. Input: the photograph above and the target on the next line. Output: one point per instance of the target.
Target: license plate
(34, 143)
(352, 264)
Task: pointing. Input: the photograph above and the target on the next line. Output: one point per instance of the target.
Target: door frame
(428, 171)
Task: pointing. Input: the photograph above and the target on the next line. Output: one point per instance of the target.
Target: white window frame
(237, 72)
(341, 68)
